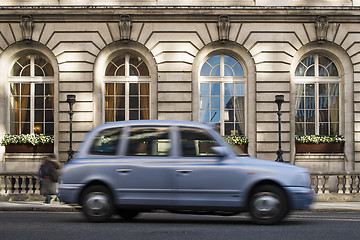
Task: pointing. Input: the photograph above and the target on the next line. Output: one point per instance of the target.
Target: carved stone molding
(27, 27)
(321, 28)
(125, 26)
(224, 28)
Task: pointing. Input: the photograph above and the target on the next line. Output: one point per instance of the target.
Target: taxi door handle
(124, 170)
(183, 171)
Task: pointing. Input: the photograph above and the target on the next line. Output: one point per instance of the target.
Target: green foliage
(236, 139)
(34, 139)
(319, 139)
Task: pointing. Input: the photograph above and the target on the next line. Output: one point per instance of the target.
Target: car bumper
(301, 198)
(69, 193)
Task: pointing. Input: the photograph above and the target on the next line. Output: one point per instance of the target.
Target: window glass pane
(109, 88)
(120, 71)
(205, 70)
(323, 116)
(215, 72)
(228, 71)
(239, 129)
(229, 102)
(106, 142)
(323, 72)
(204, 89)
(133, 89)
(49, 116)
(49, 129)
(39, 116)
(310, 115)
(133, 71)
(229, 89)
(204, 103)
(332, 70)
(323, 103)
(25, 89)
(134, 115)
(239, 89)
(120, 88)
(215, 89)
(149, 141)
(144, 102)
(109, 102)
(310, 71)
(39, 71)
(120, 102)
(39, 102)
(197, 143)
(238, 69)
(310, 128)
(25, 128)
(215, 116)
(324, 129)
(310, 89)
(120, 115)
(215, 103)
(300, 70)
(299, 116)
(38, 128)
(334, 129)
(204, 115)
(134, 102)
(299, 129)
(214, 61)
(334, 115)
(109, 116)
(39, 89)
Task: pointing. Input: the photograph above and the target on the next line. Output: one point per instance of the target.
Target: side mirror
(220, 151)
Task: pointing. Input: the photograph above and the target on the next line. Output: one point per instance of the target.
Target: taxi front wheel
(268, 204)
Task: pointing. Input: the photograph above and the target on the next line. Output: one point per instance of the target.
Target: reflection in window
(317, 97)
(106, 142)
(149, 141)
(197, 143)
(127, 89)
(222, 95)
(32, 99)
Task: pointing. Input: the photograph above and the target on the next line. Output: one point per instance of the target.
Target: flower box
(335, 147)
(243, 147)
(29, 148)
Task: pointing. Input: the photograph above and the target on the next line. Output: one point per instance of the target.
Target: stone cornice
(177, 13)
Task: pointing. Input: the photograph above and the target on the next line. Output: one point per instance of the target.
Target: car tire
(268, 204)
(127, 214)
(97, 203)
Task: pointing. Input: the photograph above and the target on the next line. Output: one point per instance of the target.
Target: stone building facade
(210, 61)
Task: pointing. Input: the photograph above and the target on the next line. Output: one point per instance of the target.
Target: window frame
(317, 80)
(222, 79)
(32, 80)
(127, 80)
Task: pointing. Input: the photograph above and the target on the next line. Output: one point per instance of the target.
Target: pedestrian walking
(48, 176)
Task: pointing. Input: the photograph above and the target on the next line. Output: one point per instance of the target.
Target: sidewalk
(60, 207)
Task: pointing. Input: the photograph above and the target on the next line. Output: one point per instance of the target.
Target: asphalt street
(163, 226)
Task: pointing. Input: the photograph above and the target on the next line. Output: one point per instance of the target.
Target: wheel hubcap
(266, 205)
(97, 204)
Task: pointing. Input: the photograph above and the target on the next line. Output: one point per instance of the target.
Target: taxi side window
(106, 142)
(149, 141)
(197, 143)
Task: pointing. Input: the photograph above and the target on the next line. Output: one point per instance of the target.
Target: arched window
(317, 96)
(32, 96)
(222, 94)
(127, 89)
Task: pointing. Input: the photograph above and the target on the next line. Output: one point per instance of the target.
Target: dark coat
(47, 174)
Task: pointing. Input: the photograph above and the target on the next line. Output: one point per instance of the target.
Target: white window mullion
(222, 108)
(32, 107)
(127, 89)
(317, 113)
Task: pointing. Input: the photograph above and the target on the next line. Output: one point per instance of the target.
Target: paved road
(163, 226)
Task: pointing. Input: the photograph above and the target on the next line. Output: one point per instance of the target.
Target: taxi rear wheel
(268, 204)
(97, 203)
